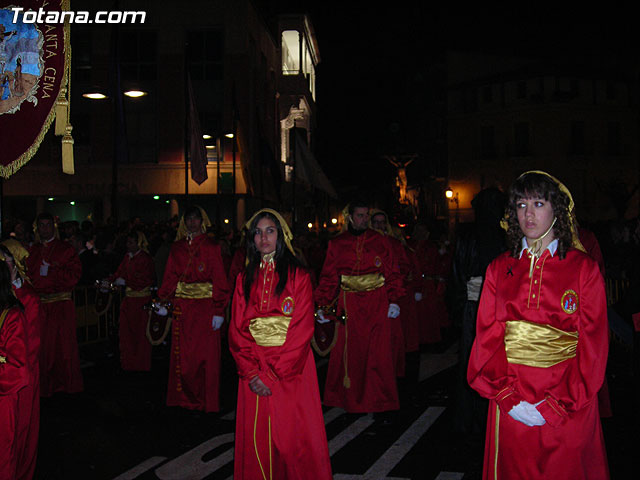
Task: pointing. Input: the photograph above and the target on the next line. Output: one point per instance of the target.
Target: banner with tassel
(35, 65)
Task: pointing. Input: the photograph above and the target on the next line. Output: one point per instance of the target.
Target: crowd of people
(534, 339)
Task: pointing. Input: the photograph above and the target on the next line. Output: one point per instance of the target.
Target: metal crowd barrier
(91, 327)
(615, 289)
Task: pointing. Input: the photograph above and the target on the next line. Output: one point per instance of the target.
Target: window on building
(205, 54)
(139, 71)
(612, 91)
(577, 137)
(290, 52)
(522, 89)
(614, 146)
(521, 131)
(487, 142)
(487, 94)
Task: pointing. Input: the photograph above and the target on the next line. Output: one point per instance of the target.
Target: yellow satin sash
(130, 292)
(270, 331)
(537, 345)
(194, 290)
(55, 297)
(361, 283)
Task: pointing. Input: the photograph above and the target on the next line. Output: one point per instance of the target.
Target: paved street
(120, 429)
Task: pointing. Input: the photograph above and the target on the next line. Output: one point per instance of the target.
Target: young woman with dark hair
(279, 425)
(541, 345)
(14, 372)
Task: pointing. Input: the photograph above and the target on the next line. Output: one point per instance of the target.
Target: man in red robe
(29, 397)
(359, 274)
(196, 282)
(137, 273)
(54, 269)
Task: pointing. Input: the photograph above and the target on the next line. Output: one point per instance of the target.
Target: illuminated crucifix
(401, 178)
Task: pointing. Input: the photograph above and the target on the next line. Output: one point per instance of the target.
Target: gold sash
(194, 290)
(55, 297)
(269, 331)
(130, 292)
(361, 283)
(537, 345)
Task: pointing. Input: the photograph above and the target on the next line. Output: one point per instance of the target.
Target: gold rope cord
(255, 443)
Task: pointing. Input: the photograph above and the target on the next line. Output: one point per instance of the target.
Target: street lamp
(453, 198)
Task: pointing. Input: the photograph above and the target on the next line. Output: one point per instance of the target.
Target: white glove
(320, 318)
(44, 269)
(528, 414)
(394, 310)
(216, 322)
(160, 310)
(17, 283)
(417, 296)
(119, 282)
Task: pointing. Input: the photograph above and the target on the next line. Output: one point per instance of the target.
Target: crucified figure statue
(401, 178)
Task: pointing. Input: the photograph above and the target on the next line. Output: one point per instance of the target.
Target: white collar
(131, 255)
(552, 247)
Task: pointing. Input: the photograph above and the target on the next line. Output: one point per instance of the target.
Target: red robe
(402, 267)
(139, 274)
(366, 382)
(570, 444)
(194, 370)
(410, 324)
(59, 357)
(293, 412)
(14, 376)
(428, 321)
(29, 397)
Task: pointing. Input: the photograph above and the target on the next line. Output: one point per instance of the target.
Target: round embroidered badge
(201, 267)
(377, 262)
(287, 306)
(569, 301)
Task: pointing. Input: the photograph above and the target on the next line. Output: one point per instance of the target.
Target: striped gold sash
(194, 290)
(270, 331)
(538, 345)
(55, 297)
(361, 283)
(131, 293)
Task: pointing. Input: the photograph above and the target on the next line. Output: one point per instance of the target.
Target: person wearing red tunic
(541, 345)
(28, 428)
(137, 273)
(54, 269)
(279, 424)
(379, 222)
(359, 274)
(196, 283)
(14, 373)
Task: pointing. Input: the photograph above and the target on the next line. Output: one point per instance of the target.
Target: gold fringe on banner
(67, 152)
(62, 112)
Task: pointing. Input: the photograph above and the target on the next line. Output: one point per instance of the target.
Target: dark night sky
(374, 59)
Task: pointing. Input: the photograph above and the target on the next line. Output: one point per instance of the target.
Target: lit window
(290, 52)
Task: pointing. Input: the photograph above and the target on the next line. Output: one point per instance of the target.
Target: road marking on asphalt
(190, 466)
(450, 476)
(401, 447)
(349, 433)
(141, 468)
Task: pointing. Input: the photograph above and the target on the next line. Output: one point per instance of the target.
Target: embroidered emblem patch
(569, 301)
(201, 267)
(377, 262)
(287, 306)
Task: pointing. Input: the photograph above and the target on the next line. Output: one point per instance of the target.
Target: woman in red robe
(279, 425)
(136, 272)
(196, 282)
(541, 346)
(14, 373)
